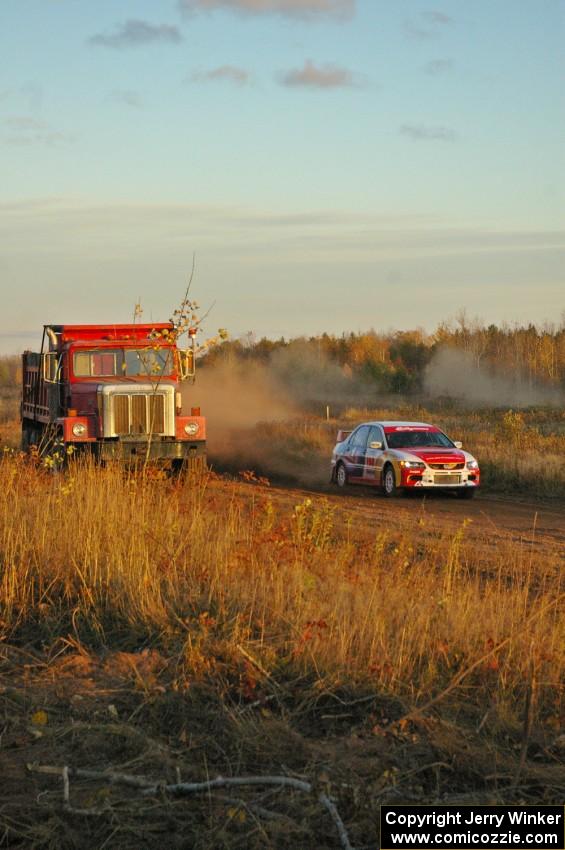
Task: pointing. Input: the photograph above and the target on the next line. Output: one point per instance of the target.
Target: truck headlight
(79, 429)
(192, 429)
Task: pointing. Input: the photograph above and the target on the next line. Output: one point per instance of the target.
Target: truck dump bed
(36, 401)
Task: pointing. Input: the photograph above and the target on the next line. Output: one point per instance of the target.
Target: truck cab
(113, 390)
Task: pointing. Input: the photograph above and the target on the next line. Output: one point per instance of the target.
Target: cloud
(418, 31)
(18, 334)
(134, 33)
(127, 97)
(22, 130)
(32, 92)
(179, 226)
(24, 122)
(423, 132)
(53, 137)
(435, 17)
(326, 77)
(306, 9)
(118, 250)
(435, 67)
(228, 73)
(428, 25)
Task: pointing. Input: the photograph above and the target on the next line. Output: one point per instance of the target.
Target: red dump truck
(113, 390)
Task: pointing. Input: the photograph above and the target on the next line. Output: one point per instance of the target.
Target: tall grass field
(190, 627)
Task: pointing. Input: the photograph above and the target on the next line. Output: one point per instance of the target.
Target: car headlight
(192, 429)
(79, 429)
(472, 464)
(412, 464)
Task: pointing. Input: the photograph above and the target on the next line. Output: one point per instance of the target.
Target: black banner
(476, 827)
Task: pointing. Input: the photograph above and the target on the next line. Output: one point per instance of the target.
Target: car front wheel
(389, 482)
(341, 475)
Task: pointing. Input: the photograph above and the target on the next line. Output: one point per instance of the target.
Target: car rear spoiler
(342, 435)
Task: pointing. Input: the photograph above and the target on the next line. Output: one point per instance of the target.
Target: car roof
(393, 423)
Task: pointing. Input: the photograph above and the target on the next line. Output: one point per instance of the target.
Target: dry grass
(208, 626)
(200, 570)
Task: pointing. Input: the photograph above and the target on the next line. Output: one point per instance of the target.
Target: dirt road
(492, 517)
(490, 514)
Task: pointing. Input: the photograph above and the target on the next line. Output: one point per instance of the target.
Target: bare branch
(328, 803)
(182, 788)
(149, 788)
(190, 279)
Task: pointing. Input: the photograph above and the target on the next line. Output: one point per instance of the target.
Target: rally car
(403, 455)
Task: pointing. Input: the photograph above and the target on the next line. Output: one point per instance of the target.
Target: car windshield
(127, 362)
(417, 439)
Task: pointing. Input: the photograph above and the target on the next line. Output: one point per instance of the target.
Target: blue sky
(334, 164)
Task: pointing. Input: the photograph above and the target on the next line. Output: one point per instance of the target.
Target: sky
(333, 165)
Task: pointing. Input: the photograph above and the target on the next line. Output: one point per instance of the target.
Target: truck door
(374, 456)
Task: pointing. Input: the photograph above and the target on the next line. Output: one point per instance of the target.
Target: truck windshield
(123, 362)
(147, 361)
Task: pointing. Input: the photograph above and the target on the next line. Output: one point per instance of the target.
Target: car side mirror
(458, 444)
(376, 444)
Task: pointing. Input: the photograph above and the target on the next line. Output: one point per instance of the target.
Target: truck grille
(138, 413)
(137, 410)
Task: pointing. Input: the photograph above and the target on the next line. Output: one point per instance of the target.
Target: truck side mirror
(50, 368)
(186, 364)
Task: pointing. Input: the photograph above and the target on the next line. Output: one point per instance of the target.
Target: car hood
(435, 455)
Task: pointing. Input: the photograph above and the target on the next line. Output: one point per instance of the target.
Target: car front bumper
(439, 479)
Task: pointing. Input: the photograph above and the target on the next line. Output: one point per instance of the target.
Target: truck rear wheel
(26, 437)
(31, 435)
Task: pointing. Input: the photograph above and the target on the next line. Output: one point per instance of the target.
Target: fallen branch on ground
(150, 788)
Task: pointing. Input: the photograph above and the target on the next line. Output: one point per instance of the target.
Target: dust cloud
(260, 416)
(269, 416)
(313, 380)
(455, 374)
(236, 396)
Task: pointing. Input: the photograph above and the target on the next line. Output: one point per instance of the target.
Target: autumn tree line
(10, 370)
(396, 361)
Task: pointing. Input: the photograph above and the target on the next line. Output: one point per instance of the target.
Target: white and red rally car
(410, 455)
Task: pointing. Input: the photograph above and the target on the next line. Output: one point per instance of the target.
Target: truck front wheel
(193, 466)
